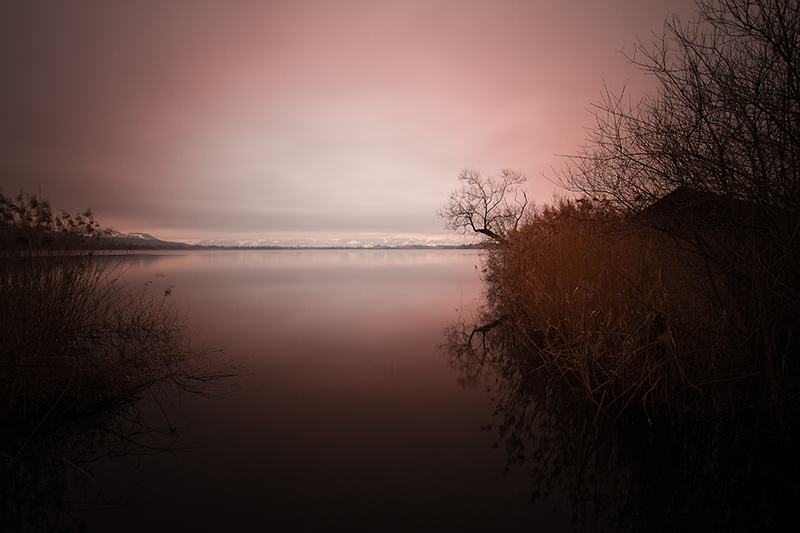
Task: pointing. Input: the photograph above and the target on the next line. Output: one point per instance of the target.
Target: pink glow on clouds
(208, 119)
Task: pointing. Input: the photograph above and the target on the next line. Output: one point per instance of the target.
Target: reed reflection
(54, 471)
(625, 471)
(48, 482)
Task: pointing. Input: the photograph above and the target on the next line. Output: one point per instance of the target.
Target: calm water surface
(349, 416)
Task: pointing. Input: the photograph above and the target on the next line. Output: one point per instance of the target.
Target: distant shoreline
(184, 246)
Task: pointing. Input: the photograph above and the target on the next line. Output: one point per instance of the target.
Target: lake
(348, 415)
(371, 394)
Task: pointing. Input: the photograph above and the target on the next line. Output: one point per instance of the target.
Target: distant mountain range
(116, 239)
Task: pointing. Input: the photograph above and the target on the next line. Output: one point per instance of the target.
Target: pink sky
(198, 119)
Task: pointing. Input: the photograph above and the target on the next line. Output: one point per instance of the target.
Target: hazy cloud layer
(210, 119)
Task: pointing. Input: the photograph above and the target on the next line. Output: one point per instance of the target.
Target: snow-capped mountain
(361, 242)
(116, 239)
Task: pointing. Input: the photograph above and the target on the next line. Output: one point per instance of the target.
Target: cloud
(203, 119)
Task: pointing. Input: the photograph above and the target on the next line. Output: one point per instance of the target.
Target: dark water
(349, 415)
(367, 383)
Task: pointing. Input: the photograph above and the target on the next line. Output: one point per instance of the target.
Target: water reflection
(49, 482)
(102, 387)
(349, 419)
(630, 474)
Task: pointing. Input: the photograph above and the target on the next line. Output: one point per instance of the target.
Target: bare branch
(487, 206)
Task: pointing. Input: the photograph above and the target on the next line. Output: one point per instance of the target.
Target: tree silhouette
(725, 119)
(489, 206)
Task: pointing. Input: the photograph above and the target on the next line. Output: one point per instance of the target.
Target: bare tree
(488, 206)
(725, 120)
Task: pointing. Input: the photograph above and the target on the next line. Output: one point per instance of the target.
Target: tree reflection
(626, 472)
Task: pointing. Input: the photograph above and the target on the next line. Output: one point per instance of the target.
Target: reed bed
(73, 336)
(630, 317)
(89, 367)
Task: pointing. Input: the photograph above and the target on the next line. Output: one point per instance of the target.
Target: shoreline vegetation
(73, 333)
(671, 279)
(80, 350)
(633, 317)
(661, 301)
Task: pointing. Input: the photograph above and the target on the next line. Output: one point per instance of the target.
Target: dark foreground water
(373, 396)
(348, 417)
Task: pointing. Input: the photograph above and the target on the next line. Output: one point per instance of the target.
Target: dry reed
(72, 335)
(627, 315)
